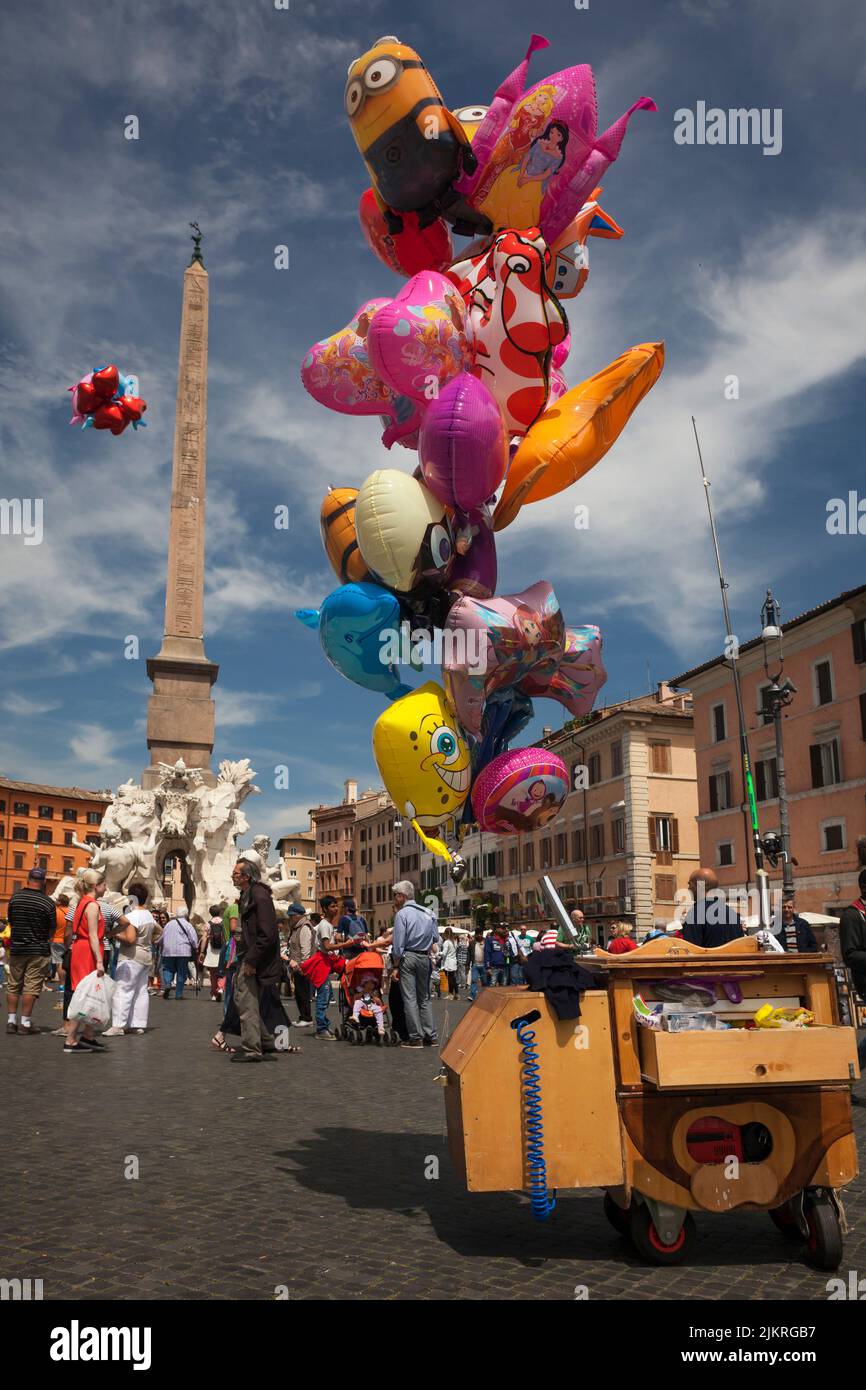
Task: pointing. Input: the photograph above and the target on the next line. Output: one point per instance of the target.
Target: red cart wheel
(649, 1244)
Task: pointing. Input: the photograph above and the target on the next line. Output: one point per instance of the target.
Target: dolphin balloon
(351, 622)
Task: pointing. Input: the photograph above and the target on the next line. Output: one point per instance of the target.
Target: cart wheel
(783, 1218)
(368, 1039)
(395, 1038)
(824, 1245)
(649, 1243)
(380, 1039)
(619, 1217)
(339, 1033)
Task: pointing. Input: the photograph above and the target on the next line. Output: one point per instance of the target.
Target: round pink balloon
(520, 790)
(462, 446)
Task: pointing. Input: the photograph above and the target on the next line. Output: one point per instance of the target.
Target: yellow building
(298, 853)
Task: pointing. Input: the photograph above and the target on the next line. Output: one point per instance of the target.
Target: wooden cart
(668, 1123)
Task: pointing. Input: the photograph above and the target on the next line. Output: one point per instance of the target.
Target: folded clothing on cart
(561, 979)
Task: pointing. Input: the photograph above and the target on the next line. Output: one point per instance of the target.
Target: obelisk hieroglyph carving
(180, 714)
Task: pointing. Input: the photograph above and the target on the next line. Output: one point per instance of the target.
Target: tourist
(213, 950)
(516, 954)
(58, 942)
(496, 960)
(621, 939)
(33, 921)
(179, 946)
(463, 960)
(415, 934)
(852, 940)
(351, 928)
(478, 965)
(709, 921)
(448, 961)
(318, 969)
(86, 956)
(258, 961)
(327, 927)
(156, 952)
(300, 948)
(130, 1005)
(795, 933)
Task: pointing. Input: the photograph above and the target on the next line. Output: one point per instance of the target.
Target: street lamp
(780, 693)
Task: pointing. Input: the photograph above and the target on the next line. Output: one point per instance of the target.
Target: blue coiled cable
(542, 1203)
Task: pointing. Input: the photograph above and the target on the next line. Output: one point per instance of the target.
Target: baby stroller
(371, 965)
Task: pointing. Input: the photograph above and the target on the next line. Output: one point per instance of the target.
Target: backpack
(215, 936)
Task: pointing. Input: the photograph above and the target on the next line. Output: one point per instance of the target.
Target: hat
(404, 887)
(295, 910)
(39, 873)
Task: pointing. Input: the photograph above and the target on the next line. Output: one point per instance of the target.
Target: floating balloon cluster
(105, 400)
(464, 366)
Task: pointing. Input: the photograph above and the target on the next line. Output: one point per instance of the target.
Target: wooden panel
(839, 1166)
(582, 1145)
(760, 1057)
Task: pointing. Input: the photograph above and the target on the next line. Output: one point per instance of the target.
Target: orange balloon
(576, 431)
(339, 536)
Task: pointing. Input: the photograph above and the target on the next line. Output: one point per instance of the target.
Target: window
(46, 812)
(16, 884)
(720, 791)
(578, 852)
(832, 836)
(561, 850)
(664, 834)
(863, 715)
(596, 842)
(661, 757)
(44, 836)
(594, 768)
(621, 887)
(599, 887)
(858, 638)
(528, 856)
(826, 765)
(70, 813)
(766, 779)
(2, 805)
(618, 832)
(579, 893)
(513, 860)
(765, 712)
(19, 832)
(545, 854)
(616, 760)
(43, 861)
(21, 808)
(718, 723)
(18, 861)
(725, 854)
(94, 817)
(823, 678)
(666, 887)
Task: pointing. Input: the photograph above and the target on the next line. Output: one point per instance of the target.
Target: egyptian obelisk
(180, 712)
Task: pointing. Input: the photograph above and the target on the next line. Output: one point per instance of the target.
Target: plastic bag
(91, 1000)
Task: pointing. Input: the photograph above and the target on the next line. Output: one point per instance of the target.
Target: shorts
(58, 951)
(27, 974)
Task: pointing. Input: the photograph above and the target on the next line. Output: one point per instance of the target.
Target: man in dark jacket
(33, 919)
(258, 960)
(852, 940)
(795, 933)
(709, 921)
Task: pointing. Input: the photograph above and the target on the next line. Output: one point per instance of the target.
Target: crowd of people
(258, 966)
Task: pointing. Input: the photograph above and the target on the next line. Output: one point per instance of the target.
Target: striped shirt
(33, 919)
(547, 940)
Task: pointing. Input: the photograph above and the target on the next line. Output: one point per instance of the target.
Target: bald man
(709, 921)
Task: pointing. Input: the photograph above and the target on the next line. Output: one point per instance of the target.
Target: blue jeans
(479, 978)
(174, 968)
(861, 1053)
(499, 974)
(516, 975)
(323, 999)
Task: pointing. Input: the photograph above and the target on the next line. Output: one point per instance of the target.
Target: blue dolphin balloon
(352, 622)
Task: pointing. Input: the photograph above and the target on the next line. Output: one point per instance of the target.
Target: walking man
(415, 934)
(179, 946)
(33, 919)
(258, 960)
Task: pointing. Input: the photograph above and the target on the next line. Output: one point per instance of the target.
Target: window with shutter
(858, 638)
(652, 829)
(675, 836)
(719, 730)
(616, 760)
(817, 765)
(728, 793)
(714, 795)
(863, 715)
(823, 683)
(661, 757)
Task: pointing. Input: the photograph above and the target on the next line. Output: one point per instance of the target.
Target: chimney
(350, 790)
(663, 693)
(546, 731)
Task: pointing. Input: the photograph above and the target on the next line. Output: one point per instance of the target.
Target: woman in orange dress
(88, 933)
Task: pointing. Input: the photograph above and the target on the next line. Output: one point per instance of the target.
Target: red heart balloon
(133, 407)
(106, 382)
(86, 398)
(108, 417)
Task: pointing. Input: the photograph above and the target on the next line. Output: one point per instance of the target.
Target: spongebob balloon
(424, 761)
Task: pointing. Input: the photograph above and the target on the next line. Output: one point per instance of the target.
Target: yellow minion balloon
(424, 760)
(413, 146)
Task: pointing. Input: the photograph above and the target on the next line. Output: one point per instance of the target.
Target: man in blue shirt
(351, 928)
(415, 933)
(709, 921)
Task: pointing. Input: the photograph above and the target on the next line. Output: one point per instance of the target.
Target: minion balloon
(413, 146)
(424, 761)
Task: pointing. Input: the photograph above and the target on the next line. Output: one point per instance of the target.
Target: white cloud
(93, 746)
(23, 707)
(244, 708)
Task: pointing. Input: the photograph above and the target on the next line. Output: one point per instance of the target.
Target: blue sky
(745, 264)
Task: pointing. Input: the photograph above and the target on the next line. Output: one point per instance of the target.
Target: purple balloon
(462, 444)
(474, 573)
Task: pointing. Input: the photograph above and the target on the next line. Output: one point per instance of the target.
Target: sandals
(220, 1046)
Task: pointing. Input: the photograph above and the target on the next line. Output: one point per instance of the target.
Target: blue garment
(494, 955)
(179, 939)
(323, 999)
(499, 975)
(516, 976)
(175, 968)
(415, 929)
(479, 977)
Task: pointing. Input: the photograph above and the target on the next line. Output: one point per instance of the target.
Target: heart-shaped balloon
(133, 407)
(418, 341)
(407, 251)
(463, 447)
(110, 417)
(338, 373)
(105, 382)
(86, 398)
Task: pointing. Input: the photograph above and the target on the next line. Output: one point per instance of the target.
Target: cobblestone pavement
(306, 1172)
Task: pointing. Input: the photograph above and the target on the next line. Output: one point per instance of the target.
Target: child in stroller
(365, 1016)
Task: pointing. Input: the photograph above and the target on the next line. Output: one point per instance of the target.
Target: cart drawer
(764, 1056)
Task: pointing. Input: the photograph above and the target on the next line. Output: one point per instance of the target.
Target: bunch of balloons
(105, 399)
(464, 367)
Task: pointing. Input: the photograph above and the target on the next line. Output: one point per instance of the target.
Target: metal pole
(784, 824)
(763, 882)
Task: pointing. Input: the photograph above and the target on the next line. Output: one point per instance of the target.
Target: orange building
(376, 858)
(333, 826)
(824, 734)
(298, 853)
(37, 825)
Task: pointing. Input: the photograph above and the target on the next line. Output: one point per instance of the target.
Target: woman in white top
(131, 1002)
(448, 960)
